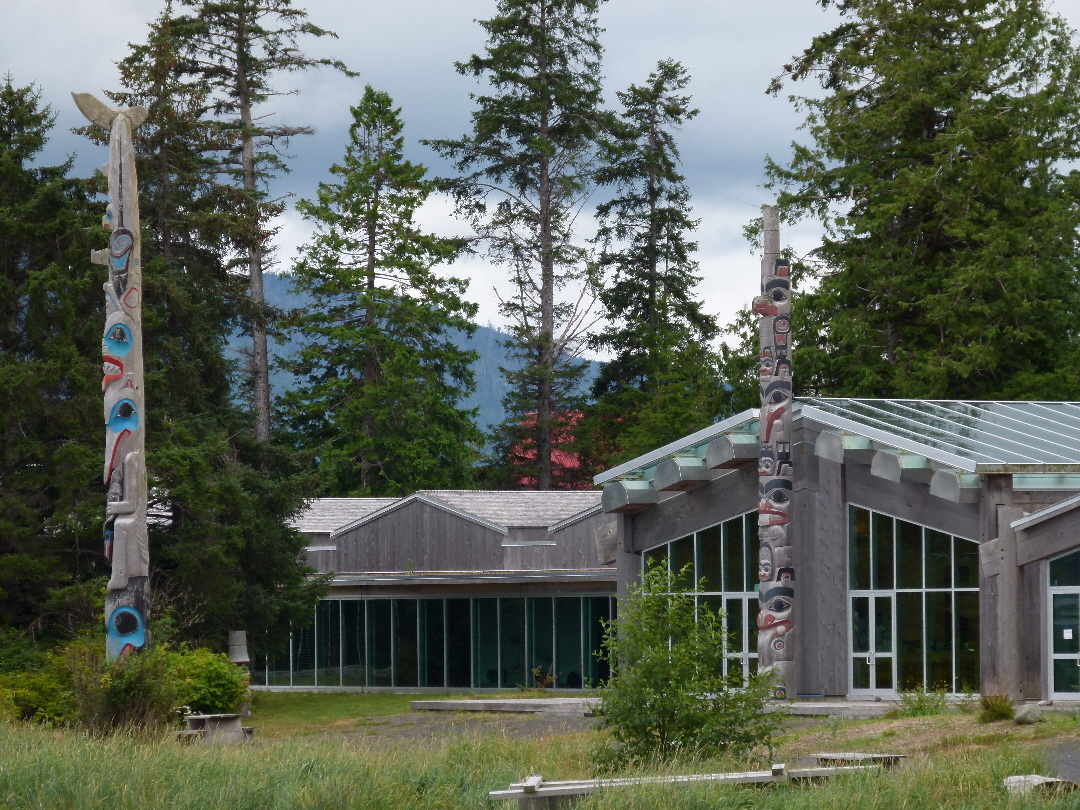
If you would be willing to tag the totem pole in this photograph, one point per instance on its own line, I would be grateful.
(776, 574)
(126, 543)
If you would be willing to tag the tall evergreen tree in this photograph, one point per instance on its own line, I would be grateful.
(940, 166)
(51, 433)
(237, 48)
(381, 377)
(525, 172)
(662, 380)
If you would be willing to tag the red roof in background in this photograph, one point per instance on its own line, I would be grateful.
(565, 464)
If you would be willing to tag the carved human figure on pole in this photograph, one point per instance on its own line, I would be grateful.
(126, 543)
(776, 572)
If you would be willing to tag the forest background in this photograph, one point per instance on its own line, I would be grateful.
(589, 196)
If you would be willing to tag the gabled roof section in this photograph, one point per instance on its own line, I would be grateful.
(977, 437)
(497, 510)
(327, 515)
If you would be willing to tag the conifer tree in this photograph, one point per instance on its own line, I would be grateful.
(663, 380)
(940, 164)
(51, 499)
(237, 48)
(380, 376)
(525, 172)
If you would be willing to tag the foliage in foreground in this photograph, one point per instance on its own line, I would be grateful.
(921, 703)
(996, 707)
(77, 687)
(668, 696)
(63, 769)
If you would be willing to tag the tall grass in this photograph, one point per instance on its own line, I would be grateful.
(60, 769)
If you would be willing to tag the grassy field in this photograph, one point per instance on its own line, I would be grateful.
(953, 762)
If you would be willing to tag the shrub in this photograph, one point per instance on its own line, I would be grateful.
(667, 695)
(995, 707)
(209, 682)
(922, 703)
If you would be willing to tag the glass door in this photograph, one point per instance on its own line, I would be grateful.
(872, 650)
(1065, 644)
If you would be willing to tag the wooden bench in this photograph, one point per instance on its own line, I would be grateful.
(536, 794)
(215, 729)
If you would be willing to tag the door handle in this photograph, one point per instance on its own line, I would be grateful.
(868, 661)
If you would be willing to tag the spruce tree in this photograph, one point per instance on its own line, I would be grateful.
(525, 171)
(51, 429)
(237, 48)
(662, 381)
(381, 378)
(940, 164)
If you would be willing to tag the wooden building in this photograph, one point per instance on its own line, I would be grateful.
(453, 589)
(936, 544)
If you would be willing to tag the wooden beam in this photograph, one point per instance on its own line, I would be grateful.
(955, 486)
(901, 467)
(626, 497)
(841, 447)
(680, 473)
(732, 450)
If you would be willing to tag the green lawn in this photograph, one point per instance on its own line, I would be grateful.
(279, 714)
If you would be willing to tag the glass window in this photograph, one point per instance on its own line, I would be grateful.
(882, 554)
(406, 654)
(909, 555)
(541, 663)
(1065, 570)
(568, 648)
(432, 630)
(379, 637)
(938, 559)
(859, 562)
(458, 643)
(328, 639)
(486, 642)
(353, 670)
(709, 569)
(303, 655)
(682, 557)
(512, 642)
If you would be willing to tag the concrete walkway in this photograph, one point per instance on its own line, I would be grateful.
(584, 706)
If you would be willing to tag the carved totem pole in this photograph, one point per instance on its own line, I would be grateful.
(776, 573)
(126, 543)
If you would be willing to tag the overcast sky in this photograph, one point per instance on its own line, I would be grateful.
(731, 48)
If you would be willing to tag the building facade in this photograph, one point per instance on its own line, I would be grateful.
(936, 544)
(453, 589)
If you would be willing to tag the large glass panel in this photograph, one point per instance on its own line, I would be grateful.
(883, 624)
(1066, 623)
(406, 654)
(939, 622)
(303, 655)
(328, 638)
(967, 640)
(568, 663)
(458, 640)
(1066, 675)
(709, 550)
(883, 672)
(432, 660)
(379, 633)
(656, 558)
(860, 672)
(541, 663)
(750, 543)
(1065, 570)
(735, 563)
(909, 556)
(859, 554)
(353, 672)
(599, 611)
(938, 559)
(276, 670)
(512, 638)
(735, 628)
(883, 552)
(909, 634)
(486, 642)
(682, 556)
(860, 624)
(965, 563)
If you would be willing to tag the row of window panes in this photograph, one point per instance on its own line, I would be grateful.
(887, 553)
(446, 643)
(728, 554)
(721, 559)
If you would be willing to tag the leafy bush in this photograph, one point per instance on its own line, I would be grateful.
(209, 682)
(667, 695)
(922, 703)
(995, 707)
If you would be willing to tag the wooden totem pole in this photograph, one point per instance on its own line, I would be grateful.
(126, 543)
(776, 573)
